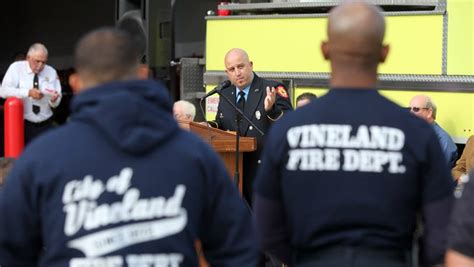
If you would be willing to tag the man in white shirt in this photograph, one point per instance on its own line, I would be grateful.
(37, 84)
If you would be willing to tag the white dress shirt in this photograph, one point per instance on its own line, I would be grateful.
(19, 80)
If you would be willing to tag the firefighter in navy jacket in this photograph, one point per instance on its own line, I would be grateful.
(121, 184)
(343, 179)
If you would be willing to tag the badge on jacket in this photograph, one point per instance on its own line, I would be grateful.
(221, 116)
(258, 115)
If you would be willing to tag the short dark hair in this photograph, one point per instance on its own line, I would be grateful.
(307, 95)
(105, 55)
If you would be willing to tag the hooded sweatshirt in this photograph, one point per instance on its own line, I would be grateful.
(122, 185)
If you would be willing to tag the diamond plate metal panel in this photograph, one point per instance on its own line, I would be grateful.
(442, 83)
(323, 15)
(444, 56)
(191, 83)
(302, 5)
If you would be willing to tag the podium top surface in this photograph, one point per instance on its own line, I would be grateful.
(221, 141)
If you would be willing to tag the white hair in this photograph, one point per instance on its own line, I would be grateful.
(188, 108)
(36, 47)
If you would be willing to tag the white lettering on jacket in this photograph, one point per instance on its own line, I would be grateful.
(84, 212)
(332, 147)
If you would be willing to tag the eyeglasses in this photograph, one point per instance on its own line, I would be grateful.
(415, 109)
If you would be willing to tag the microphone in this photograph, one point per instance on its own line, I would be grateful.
(218, 88)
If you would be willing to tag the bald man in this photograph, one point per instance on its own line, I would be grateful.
(425, 108)
(263, 101)
(343, 186)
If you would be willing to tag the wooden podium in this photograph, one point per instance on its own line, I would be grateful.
(224, 144)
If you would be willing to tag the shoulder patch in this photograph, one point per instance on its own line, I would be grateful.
(281, 91)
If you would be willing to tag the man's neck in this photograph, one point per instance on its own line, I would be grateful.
(248, 85)
(352, 80)
(344, 75)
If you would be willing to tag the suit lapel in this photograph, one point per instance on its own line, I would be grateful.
(230, 94)
(253, 100)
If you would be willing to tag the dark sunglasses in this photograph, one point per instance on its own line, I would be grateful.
(415, 109)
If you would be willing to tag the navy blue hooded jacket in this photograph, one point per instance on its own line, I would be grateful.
(122, 185)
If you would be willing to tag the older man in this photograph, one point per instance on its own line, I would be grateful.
(344, 186)
(424, 107)
(304, 99)
(37, 84)
(184, 111)
(263, 101)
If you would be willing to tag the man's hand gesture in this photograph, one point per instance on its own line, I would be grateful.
(270, 98)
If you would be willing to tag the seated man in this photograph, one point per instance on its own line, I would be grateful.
(304, 99)
(424, 107)
(184, 111)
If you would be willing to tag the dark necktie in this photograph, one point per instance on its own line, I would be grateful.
(35, 81)
(36, 109)
(241, 102)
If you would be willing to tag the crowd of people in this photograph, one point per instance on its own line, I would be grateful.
(327, 185)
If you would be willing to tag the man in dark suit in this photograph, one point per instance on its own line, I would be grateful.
(262, 101)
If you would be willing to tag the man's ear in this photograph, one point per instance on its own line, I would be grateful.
(384, 53)
(143, 72)
(325, 50)
(76, 83)
(430, 113)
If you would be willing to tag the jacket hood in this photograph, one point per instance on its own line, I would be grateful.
(136, 116)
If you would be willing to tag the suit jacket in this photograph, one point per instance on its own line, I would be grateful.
(254, 109)
(466, 162)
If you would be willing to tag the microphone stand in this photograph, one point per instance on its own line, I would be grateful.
(238, 120)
